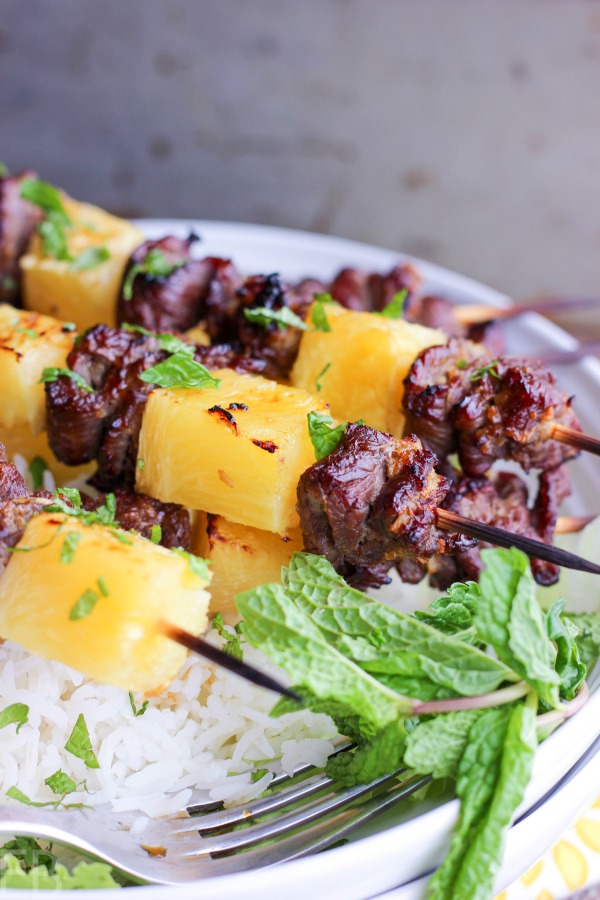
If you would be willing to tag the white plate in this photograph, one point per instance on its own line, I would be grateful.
(404, 850)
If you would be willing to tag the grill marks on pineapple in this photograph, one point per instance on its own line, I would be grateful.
(225, 416)
(269, 446)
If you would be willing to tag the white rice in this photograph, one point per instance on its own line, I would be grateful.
(203, 738)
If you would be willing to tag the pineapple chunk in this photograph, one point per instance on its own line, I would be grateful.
(368, 357)
(86, 296)
(29, 342)
(241, 558)
(136, 584)
(247, 470)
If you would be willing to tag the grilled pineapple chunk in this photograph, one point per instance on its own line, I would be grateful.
(99, 611)
(241, 558)
(358, 367)
(29, 343)
(237, 450)
(60, 288)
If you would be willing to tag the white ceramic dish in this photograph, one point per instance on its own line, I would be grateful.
(405, 846)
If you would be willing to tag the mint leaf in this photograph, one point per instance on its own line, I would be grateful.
(156, 534)
(80, 745)
(436, 746)
(15, 714)
(233, 643)
(196, 564)
(60, 783)
(257, 775)
(588, 636)
(324, 436)
(403, 652)
(378, 756)
(17, 794)
(511, 620)
(454, 612)
(272, 622)
(323, 371)
(84, 605)
(319, 317)
(491, 369)
(395, 307)
(46, 196)
(102, 587)
(69, 546)
(29, 853)
(180, 371)
(568, 664)
(54, 240)
(167, 342)
(154, 264)
(492, 775)
(29, 332)
(84, 875)
(142, 709)
(284, 317)
(37, 467)
(53, 373)
(90, 259)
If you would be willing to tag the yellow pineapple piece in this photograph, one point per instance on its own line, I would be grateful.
(86, 296)
(360, 365)
(241, 558)
(48, 606)
(247, 470)
(198, 335)
(29, 343)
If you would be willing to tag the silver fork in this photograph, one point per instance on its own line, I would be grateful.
(298, 815)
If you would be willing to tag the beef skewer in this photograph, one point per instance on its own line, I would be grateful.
(377, 501)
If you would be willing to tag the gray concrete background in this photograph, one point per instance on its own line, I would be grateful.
(464, 131)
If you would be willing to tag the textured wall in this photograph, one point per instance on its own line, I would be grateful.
(465, 131)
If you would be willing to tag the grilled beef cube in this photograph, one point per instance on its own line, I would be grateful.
(18, 219)
(373, 500)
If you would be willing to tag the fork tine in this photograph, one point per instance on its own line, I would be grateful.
(309, 812)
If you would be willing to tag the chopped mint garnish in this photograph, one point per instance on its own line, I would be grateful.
(491, 369)
(90, 259)
(84, 605)
(233, 644)
(319, 316)
(60, 783)
(167, 342)
(137, 711)
(80, 745)
(196, 564)
(324, 435)
(284, 317)
(15, 714)
(156, 534)
(53, 373)
(155, 264)
(395, 307)
(180, 371)
(37, 467)
(47, 197)
(323, 371)
(69, 546)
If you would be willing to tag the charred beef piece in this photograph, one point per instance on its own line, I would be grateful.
(18, 219)
(105, 424)
(371, 292)
(17, 506)
(458, 398)
(373, 501)
(438, 380)
(12, 483)
(138, 512)
(191, 290)
(277, 346)
(502, 501)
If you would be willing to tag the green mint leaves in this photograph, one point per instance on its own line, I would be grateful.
(60, 783)
(84, 606)
(154, 264)
(284, 317)
(395, 308)
(137, 711)
(325, 436)
(69, 546)
(53, 373)
(233, 643)
(167, 342)
(56, 222)
(491, 369)
(15, 714)
(80, 745)
(180, 371)
(196, 564)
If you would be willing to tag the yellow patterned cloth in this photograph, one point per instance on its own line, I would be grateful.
(571, 865)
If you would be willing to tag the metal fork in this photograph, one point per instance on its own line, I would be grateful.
(296, 816)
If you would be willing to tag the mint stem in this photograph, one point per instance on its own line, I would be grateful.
(565, 711)
(494, 698)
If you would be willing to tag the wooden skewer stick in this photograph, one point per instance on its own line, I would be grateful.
(475, 313)
(214, 654)
(576, 439)
(571, 524)
(450, 521)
